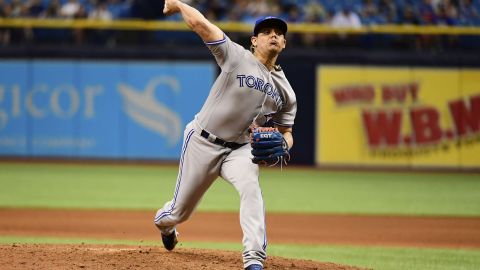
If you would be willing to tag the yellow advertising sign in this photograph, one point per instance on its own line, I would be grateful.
(426, 117)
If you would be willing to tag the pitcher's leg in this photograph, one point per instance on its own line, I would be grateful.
(239, 170)
(199, 166)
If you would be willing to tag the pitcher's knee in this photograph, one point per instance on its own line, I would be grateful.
(181, 213)
(172, 217)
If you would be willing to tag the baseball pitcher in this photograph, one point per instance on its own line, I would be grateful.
(226, 137)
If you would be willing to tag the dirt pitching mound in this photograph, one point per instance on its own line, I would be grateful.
(43, 257)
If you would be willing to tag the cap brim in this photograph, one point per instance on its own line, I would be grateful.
(271, 22)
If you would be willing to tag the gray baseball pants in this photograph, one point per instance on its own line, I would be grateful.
(201, 163)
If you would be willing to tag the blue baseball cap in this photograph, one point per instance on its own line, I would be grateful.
(270, 21)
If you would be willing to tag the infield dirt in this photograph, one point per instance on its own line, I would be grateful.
(460, 232)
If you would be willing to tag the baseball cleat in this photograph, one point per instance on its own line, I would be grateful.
(254, 267)
(170, 241)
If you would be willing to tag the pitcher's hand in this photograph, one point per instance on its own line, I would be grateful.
(171, 7)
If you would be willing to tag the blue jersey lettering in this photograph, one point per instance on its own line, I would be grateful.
(260, 85)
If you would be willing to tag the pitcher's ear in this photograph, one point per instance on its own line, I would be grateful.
(253, 40)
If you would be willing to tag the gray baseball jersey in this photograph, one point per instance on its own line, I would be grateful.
(244, 93)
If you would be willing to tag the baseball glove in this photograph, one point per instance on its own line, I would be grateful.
(268, 146)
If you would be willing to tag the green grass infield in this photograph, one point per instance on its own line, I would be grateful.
(288, 190)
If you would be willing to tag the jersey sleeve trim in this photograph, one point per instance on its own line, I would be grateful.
(217, 41)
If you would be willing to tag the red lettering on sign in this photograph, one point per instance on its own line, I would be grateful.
(382, 127)
(399, 92)
(354, 93)
(414, 91)
(466, 118)
(425, 124)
